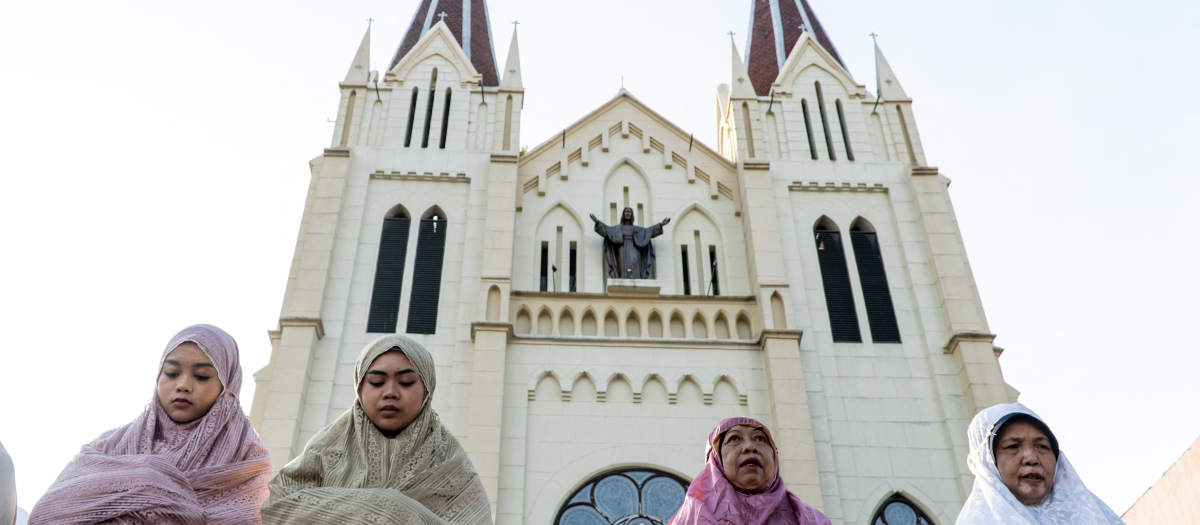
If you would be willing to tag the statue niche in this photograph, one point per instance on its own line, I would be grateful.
(628, 248)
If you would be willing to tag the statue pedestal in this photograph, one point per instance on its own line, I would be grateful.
(634, 286)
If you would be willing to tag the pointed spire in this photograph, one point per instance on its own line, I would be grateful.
(470, 24)
(360, 69)
(887, 85)
(739, 79)
(775, 27)
(512, 67)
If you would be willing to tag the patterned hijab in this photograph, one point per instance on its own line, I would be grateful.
(154, 470)
(713, 500)
(990, 502)
(351, 473)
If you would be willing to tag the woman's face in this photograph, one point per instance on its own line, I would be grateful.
(188, 385)
(392, 392)
(748, 458)
(1025, 461)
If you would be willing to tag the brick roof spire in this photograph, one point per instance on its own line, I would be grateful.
(775, 26)
(468, 20)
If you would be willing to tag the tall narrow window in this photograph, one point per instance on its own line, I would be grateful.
(349, 117)
(845, 132)
(839, 299)
(825, 121)
(712, 263)
(446, 118)
(427, 274)
(372, 131)
(389, 274)
(912, 157)
(749, 130)
(571, 268)
(508, 124)
(481, 127)
(812, 144)
(429, 109)
(773, 136)
(881, 315)
(412, 115)
(544, 266)
(687, 278)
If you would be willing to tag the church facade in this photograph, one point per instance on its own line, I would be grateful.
(812, 276)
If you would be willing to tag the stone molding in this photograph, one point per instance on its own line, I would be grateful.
(314, 322)
(337, 152)
(924, 170)
(968, 337)
(492, 326)
(833, 186)
(427, 176)
(508, 159)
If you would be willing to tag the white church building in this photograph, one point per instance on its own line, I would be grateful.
(813, 276)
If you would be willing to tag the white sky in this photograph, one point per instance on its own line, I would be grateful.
(156, 155)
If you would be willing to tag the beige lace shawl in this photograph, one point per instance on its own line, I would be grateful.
(351, 473)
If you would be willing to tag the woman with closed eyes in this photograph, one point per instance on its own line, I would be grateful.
(388, 459)
(190, 458)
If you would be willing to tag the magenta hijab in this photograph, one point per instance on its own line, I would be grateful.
(713, 500)
(212, 470)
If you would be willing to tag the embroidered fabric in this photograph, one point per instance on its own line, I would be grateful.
(991, 503)
(713, 500)
(351, 473)
(153, 470)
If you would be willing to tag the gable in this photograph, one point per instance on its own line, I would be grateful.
(808, 54)
(438, 42)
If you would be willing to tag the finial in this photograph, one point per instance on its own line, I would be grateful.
(369, 20)
(731, 33)
(516, 23)
(443, 15)
(873, 35)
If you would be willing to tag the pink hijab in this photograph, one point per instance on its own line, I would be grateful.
(213, 470)
(713, 500)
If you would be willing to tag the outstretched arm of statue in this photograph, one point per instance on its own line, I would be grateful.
(593, 216)
(665, 221)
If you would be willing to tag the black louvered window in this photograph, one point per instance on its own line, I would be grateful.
(839, 299)
(389, 276)
(545, 267)
(881, 315)
(427, 276)
(572, 267)
(687, 281)
(713, 281)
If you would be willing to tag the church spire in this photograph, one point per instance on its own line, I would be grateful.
(887, 86)
(512, 67)
(739, 79)
(775, 26)
(468, 21)
(360, 69)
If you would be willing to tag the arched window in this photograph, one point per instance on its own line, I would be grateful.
(427, 273)
(881, 315)
(824, 121)
(845, 132)
(839, 299)
(626, 497)
(749, 130)
(429, 109)
(897, 510)
(412, 115)
(445, 119)
(389, 273)
(508, 123)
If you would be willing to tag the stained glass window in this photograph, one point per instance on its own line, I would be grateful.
(625, 497)
(897, 510)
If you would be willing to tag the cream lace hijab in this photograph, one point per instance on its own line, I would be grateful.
(351, 473)
(990, 502)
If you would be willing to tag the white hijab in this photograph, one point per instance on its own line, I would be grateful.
(990, 502)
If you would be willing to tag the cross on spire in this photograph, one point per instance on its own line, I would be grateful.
(873, 35)
(443, 15)
(731, 33)
(369, 20)
(516, 23)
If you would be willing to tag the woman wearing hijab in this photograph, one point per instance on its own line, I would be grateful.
(190, 458)
(741, 484)
(1021, 476)
(387, 460)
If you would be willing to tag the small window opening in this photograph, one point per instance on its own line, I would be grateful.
(687, 279)
(445, 119)
(712, 258)
(571, 267)
(429, 109)
(845, 132)
(749, 130)
(412, 115)
(825, 121)
(812, 143)
(545, 265)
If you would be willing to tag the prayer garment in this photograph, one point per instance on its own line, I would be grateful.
(991, 503)
(350, 473)
(713, 500)
(8, 489)
(212, 470)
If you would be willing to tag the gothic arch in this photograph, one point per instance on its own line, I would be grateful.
(645, 182)
(825, 223)
(909, 492)
(568, 313)
(860, 223)
(578, 473)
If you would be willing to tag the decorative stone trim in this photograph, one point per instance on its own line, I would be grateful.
(492, 326)
(600, 340)
(833, 186)
(337, 152)
(756, 165)
(968, 337)
(508, 159)
(412, 175)
(924, 170)
(314, 322)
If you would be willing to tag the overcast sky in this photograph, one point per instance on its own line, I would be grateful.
(155, 169)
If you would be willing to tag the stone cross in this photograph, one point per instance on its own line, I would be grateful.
(731, 33)
(443, 15)
(873, 35)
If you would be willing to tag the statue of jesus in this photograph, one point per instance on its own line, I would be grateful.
(628, 249)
